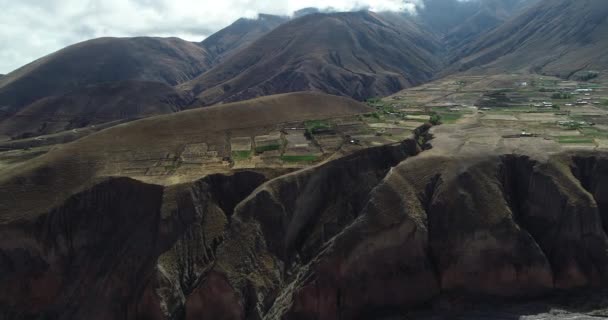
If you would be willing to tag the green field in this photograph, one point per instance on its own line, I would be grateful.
(302, 158)
(594, 133)
(576, 140)
(270, 147)
(451, 117)
(314, 126)
(241, 155)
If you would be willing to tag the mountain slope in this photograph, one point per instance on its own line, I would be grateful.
(239, 35)
(166, 60)
(471, 28)
(461, 22)
(94, 104)
(359, 55)
(557, 37)
(166, 132)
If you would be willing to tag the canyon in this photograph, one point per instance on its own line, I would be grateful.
(414, 226)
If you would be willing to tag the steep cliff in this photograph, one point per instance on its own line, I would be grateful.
(98, 255)
(372, 234)
(500, 226)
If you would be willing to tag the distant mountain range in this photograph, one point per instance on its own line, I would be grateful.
(357, 54)
(558, 37)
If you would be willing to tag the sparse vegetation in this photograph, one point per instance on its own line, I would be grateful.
(589, 76)
(373, 102)
(546, 90)
(573, 125)
(446, 118)
(374, 115)
(382, 107)
(316, 126)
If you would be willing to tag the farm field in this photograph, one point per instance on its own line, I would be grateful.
(564, 114)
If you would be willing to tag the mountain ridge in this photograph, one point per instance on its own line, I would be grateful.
(167, 60)
(561, 38)
(289, 57)
(93, 105)
(237, 36)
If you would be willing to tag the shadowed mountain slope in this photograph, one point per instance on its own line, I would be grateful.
(557, 37)
(94, 104)
(167, 60)
(237, 36)
(461, 22)
(443, 16)
(358, 54)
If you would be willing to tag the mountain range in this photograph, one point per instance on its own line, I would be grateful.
(358, 54)
(323, 166)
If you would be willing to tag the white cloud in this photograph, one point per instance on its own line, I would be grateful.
(30, 29)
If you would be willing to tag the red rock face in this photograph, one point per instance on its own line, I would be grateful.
(215, 299)
(88, 257)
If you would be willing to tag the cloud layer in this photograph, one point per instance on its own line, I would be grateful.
(30, 29)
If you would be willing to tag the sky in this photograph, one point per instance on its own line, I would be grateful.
(30, 29)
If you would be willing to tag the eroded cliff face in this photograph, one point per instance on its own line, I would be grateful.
(374, 233)
(87, 258)
(498, 226)
(103, 253)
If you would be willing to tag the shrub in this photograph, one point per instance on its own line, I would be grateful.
(590, 75)
(435, 119)
(561, 95)
(316, 126)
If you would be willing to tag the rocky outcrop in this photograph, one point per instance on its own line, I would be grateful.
(565, 221)
(375, 233)
(210, 203)
(500, 226)
(106, 253)
(592, 171)
(88, 258)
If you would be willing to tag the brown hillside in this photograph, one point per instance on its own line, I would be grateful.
(73, 166)
(166, 60)
(359, 55)
(94, 104)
